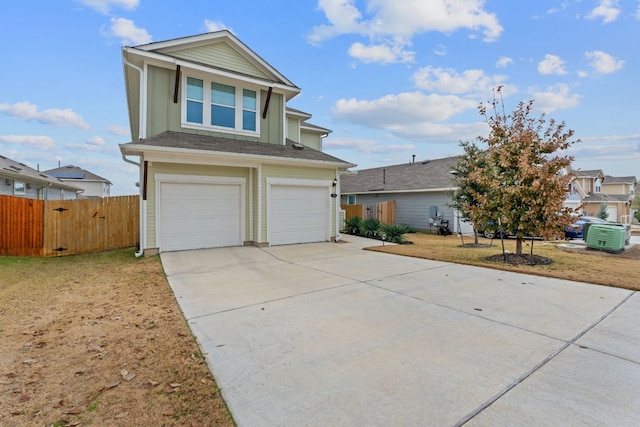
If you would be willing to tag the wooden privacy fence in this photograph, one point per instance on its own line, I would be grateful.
(384, 212)
(30, 227)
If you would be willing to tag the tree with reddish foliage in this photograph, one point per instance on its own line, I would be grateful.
(523, 181)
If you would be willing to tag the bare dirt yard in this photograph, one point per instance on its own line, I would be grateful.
(99, 340)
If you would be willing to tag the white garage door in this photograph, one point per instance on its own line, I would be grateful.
(298, 214)
(199, 215)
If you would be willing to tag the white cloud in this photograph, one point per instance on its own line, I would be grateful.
(394, 24)
(54, 116)
(118, 130)
(608, 10)
(96, 141)
(381, 53)
(441, 132)
(343, 16)
(103, 6)
(558, 97)
(503, 61)
(440, 50)
(365, 146)
(551, 64)
(401, 109)
(127, 31)
(446, 80)
(37, 141)
(603, 63)
(213, 26)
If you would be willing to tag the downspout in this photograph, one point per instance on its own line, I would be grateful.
(141, 132)
(141, 208)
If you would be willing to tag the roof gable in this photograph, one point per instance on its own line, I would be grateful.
(76, 173)
(224, 56)
(220, 50)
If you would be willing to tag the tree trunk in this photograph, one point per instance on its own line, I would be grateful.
(475, 236)
(519, 245)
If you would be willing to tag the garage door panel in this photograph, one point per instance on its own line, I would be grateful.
(299, 214)
(200, 215)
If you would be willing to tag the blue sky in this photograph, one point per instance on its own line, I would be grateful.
(391, 78)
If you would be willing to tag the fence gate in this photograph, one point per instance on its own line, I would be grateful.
(74, 226)
(90, 225)
(384, 212)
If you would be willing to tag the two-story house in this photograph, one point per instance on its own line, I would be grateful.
(592, 189)
(20, 180)
(223, 161)
(92, 184)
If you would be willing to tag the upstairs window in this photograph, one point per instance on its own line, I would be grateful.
(195, 100)
(214, 105)
(598, 186)
(223, 105)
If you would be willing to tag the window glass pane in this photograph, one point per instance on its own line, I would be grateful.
(249, 99)
(249, 120)
(195, 89)
(18, 187)
(223, 94)
(223, 116)
(194, 112)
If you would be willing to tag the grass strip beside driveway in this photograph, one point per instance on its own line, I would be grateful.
(575, 263)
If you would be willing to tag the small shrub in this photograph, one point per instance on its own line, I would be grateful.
(395, 232)
(352, 225)
(370, 228)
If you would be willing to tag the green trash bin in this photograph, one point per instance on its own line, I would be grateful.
(606, 237)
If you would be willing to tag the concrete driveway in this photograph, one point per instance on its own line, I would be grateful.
(330, 335)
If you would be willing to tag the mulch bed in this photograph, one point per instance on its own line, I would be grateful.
(522, 259)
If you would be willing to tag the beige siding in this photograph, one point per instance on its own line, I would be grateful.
(615, 188)
(278, 171)
(271, 128)
(181, 169)
(132, 77)
(162, 113)
(220, 55)
(311, 139)
(293, 125)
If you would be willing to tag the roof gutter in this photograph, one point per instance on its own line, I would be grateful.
(138, 149)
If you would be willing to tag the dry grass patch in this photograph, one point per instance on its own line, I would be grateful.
(99, 340)
(578, 264)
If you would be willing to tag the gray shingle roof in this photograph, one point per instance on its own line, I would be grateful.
(75, 172)
(188, 141)
(594, 173)
(21, 172)
(425, 175)
(608, 179)
(601, 197)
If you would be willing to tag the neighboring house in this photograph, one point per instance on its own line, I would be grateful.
(92, 184)
(223, 161)
(592, 188)
(422, 191)
(18, 179)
